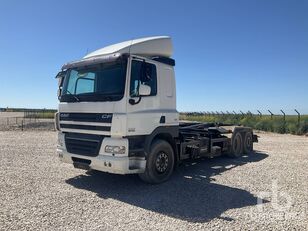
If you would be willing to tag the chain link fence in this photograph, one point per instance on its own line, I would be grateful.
(280, 123)
(27, 119)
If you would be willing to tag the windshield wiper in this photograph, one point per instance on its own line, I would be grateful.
(75, 97)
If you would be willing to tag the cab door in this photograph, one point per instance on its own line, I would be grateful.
(143, 111)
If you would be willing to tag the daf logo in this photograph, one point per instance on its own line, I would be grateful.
(106, 116)
(64, 115)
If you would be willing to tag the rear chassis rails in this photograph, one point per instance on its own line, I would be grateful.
(210, 139)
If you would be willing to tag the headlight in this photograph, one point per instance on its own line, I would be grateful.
(115, 149)
(60, 139)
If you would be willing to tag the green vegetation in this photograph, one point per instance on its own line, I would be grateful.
(40, 114)
(45, 115)
(33, 113)
(264, 123)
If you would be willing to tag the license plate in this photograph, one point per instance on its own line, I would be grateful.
(81, 166)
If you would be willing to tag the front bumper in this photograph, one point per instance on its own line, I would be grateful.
(111, 164)
(105, 162)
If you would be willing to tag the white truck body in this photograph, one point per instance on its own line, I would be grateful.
(120, 133)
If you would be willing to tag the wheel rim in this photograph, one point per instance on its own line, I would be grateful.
(161, 162)
(248, 142)
(237, 144)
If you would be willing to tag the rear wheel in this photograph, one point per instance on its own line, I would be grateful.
(248, 143)
(236, 149)
(160, 163)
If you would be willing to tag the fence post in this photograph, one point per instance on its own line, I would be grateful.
(271, 114)
(284, 115)
(298, 117)
(259, 113)
(22, 124)
(284, 121)
(243, 114)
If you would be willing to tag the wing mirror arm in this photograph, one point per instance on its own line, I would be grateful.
(133, 101)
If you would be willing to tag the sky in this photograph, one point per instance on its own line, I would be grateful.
(230, 54)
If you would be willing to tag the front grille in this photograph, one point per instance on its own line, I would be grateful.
(83, 144)
(86, 117)
(86, 127)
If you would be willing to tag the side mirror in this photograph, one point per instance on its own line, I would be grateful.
(59, 93)
(144, 90)
(60, 76)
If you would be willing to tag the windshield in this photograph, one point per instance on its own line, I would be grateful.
(103, 82)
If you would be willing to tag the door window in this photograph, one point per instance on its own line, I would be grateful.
(143, 73)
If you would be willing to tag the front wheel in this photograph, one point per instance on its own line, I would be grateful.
(160, 163)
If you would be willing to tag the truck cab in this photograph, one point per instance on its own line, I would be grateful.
(114, 102)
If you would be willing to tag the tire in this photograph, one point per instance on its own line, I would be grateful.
(236, 149)
(248, 143)
(160, 163)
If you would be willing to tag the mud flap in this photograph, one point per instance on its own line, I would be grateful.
(255, 138)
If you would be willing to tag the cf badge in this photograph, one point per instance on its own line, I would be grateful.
(106, 116)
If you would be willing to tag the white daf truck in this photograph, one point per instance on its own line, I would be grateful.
(117, 114)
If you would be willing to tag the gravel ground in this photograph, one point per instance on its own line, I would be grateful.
(11, 114)
(38, 192)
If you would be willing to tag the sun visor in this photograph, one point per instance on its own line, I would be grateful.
(92, 61)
